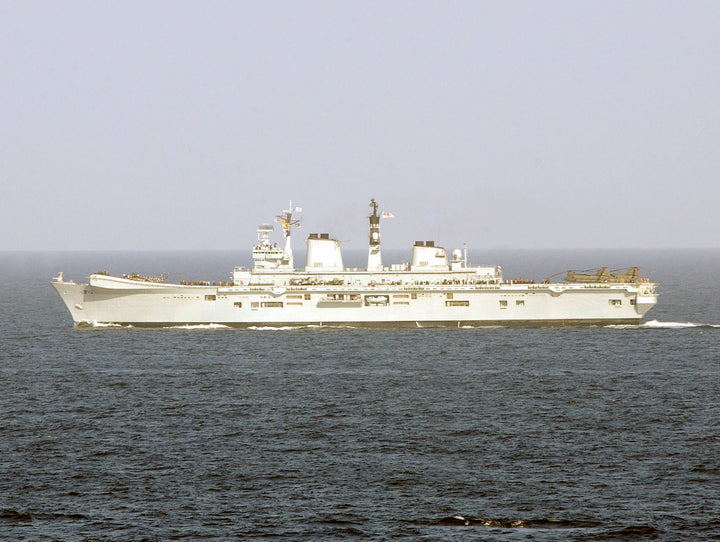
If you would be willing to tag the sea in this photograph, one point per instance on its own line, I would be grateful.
(304, 433)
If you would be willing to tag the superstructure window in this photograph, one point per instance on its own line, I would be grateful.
(503, 303)
(376, 300)
(616, 302)
(210, 297)
(238, 304)
(271, 304)
(519, 302)
(458, 303)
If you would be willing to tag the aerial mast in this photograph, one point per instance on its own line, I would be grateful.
(287, 223)
(374, 256)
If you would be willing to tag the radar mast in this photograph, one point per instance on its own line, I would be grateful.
(287, 222)
(374, 255)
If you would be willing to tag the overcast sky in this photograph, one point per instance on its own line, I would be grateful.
(171, 125)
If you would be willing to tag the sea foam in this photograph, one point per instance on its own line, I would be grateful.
(655, 324)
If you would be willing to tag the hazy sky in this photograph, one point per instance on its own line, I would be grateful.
(170, 125)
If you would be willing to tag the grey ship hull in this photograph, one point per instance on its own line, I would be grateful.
(106, 300)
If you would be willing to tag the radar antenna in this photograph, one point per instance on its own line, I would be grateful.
(374, 255)
(287, 222)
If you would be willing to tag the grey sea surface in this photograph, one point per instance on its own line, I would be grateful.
(207, 433)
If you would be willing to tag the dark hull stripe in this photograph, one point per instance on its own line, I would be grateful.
(398, 324)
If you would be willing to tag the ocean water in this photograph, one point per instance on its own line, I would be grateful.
(122, 434)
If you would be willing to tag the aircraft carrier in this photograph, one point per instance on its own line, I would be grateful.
(433, 289)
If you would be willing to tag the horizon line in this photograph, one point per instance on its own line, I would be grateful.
(161, 250)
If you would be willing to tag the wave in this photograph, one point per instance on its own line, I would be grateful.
(199, 326)
(290, 328)
(273, 328)
(655, 324)
(595, 530)
(509, 523)
(10, 515)
(106, 324)
(14, 516)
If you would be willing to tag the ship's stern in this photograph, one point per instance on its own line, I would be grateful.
(646, 298)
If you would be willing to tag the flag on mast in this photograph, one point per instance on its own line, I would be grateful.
(386, 214)
(298, 209)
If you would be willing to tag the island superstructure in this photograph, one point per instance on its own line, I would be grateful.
(430, 290)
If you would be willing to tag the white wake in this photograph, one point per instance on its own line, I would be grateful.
(106, 324)
(655, 324)
(199, 326)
